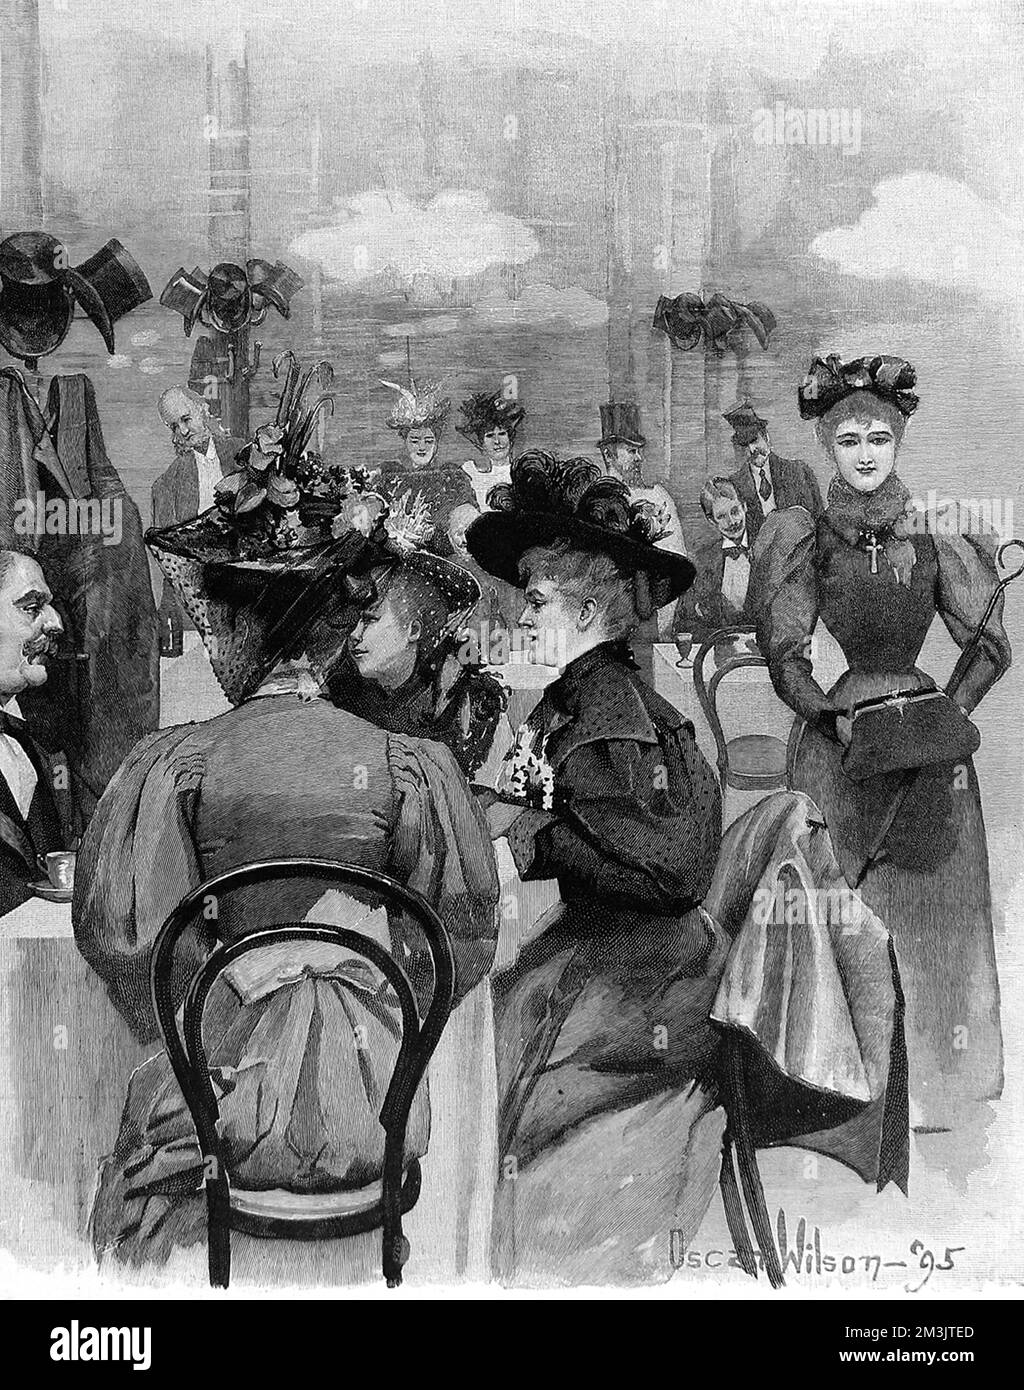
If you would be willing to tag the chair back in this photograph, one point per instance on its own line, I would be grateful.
(187, 1055)
(748, 762)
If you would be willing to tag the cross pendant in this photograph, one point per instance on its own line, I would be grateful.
(872, 546)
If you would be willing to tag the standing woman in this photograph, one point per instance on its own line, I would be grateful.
(490, 420)
(877, 577)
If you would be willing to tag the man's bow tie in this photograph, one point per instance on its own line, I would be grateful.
(734, 552)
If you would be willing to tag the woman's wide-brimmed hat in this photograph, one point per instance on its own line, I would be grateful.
(829, 381)
(552, 499)
(487, 411)
(39, 291)
(459, 591)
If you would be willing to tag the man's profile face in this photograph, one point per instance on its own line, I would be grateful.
(29, 626)
(730, 516)
(188, 421)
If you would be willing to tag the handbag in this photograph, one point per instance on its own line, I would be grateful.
(904, 732)
(895, 733)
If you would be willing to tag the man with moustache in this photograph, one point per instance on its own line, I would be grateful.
(29, 821)
(764, 481)
(203, 455)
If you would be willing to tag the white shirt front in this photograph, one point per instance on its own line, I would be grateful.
(209, 471)
(500, 474)
(16, 766)
(735, 572)
(756, 470)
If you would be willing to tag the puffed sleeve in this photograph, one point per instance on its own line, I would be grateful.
(622, 837)
(967, 577)
(441, 848)
(784, 598)
(137, 860)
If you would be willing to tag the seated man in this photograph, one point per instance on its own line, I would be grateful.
(406, 669)
(29, 821)
(720, 596)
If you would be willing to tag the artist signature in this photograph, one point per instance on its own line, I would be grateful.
(807, 1256)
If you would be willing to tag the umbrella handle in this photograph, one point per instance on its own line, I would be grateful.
(1014, 574)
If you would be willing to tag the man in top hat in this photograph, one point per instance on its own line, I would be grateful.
(766, 482)
(203, 454)
(622, 449)
(29, 821)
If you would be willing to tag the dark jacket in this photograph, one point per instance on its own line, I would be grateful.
(704, 608)
(175, 499)
(793, 485)
(103, 691)
(22, 838)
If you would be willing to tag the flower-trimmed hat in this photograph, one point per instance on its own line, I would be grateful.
(284, 529)
(829, 381)
(552, 499)
(418, 407)
(487, 411)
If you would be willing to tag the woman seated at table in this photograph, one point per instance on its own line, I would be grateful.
(409, 666)
(608, 1022)
(301, 1044)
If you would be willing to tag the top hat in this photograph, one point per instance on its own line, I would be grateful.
(40, 289)
(552, 499)
(185, 293)
(276, 283)
(487, 411)
(620, 424)
(746, 423)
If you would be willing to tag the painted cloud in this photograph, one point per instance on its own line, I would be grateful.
(455, 236)
(930, 228)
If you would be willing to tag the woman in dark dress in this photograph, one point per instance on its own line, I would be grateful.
(609, 1022)
(872, 572)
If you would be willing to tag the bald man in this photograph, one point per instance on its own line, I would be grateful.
(203, 454)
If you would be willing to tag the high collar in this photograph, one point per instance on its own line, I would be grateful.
(566, 692)
(851, 512)
(743, 542)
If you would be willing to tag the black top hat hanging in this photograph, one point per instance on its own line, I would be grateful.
(39, 291)
(231, 298)
(620, 424)
(687, 320)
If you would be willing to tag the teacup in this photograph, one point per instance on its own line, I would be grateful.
(59, 868)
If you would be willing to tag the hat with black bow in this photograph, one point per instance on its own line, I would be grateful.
(39, 290)
(829, 381)
(551, 499)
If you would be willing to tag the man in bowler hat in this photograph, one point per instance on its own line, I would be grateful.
(764, 481)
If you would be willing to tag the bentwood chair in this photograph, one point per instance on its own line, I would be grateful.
(286, 1215)
(746, 762)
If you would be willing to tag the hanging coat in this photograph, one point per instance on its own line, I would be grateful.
(105, 695)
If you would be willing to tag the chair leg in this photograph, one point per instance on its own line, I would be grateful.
(734, 1217)
(395, 1247)
(218, 1234)
(746, 1154)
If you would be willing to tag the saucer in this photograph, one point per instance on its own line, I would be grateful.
(45, 889)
